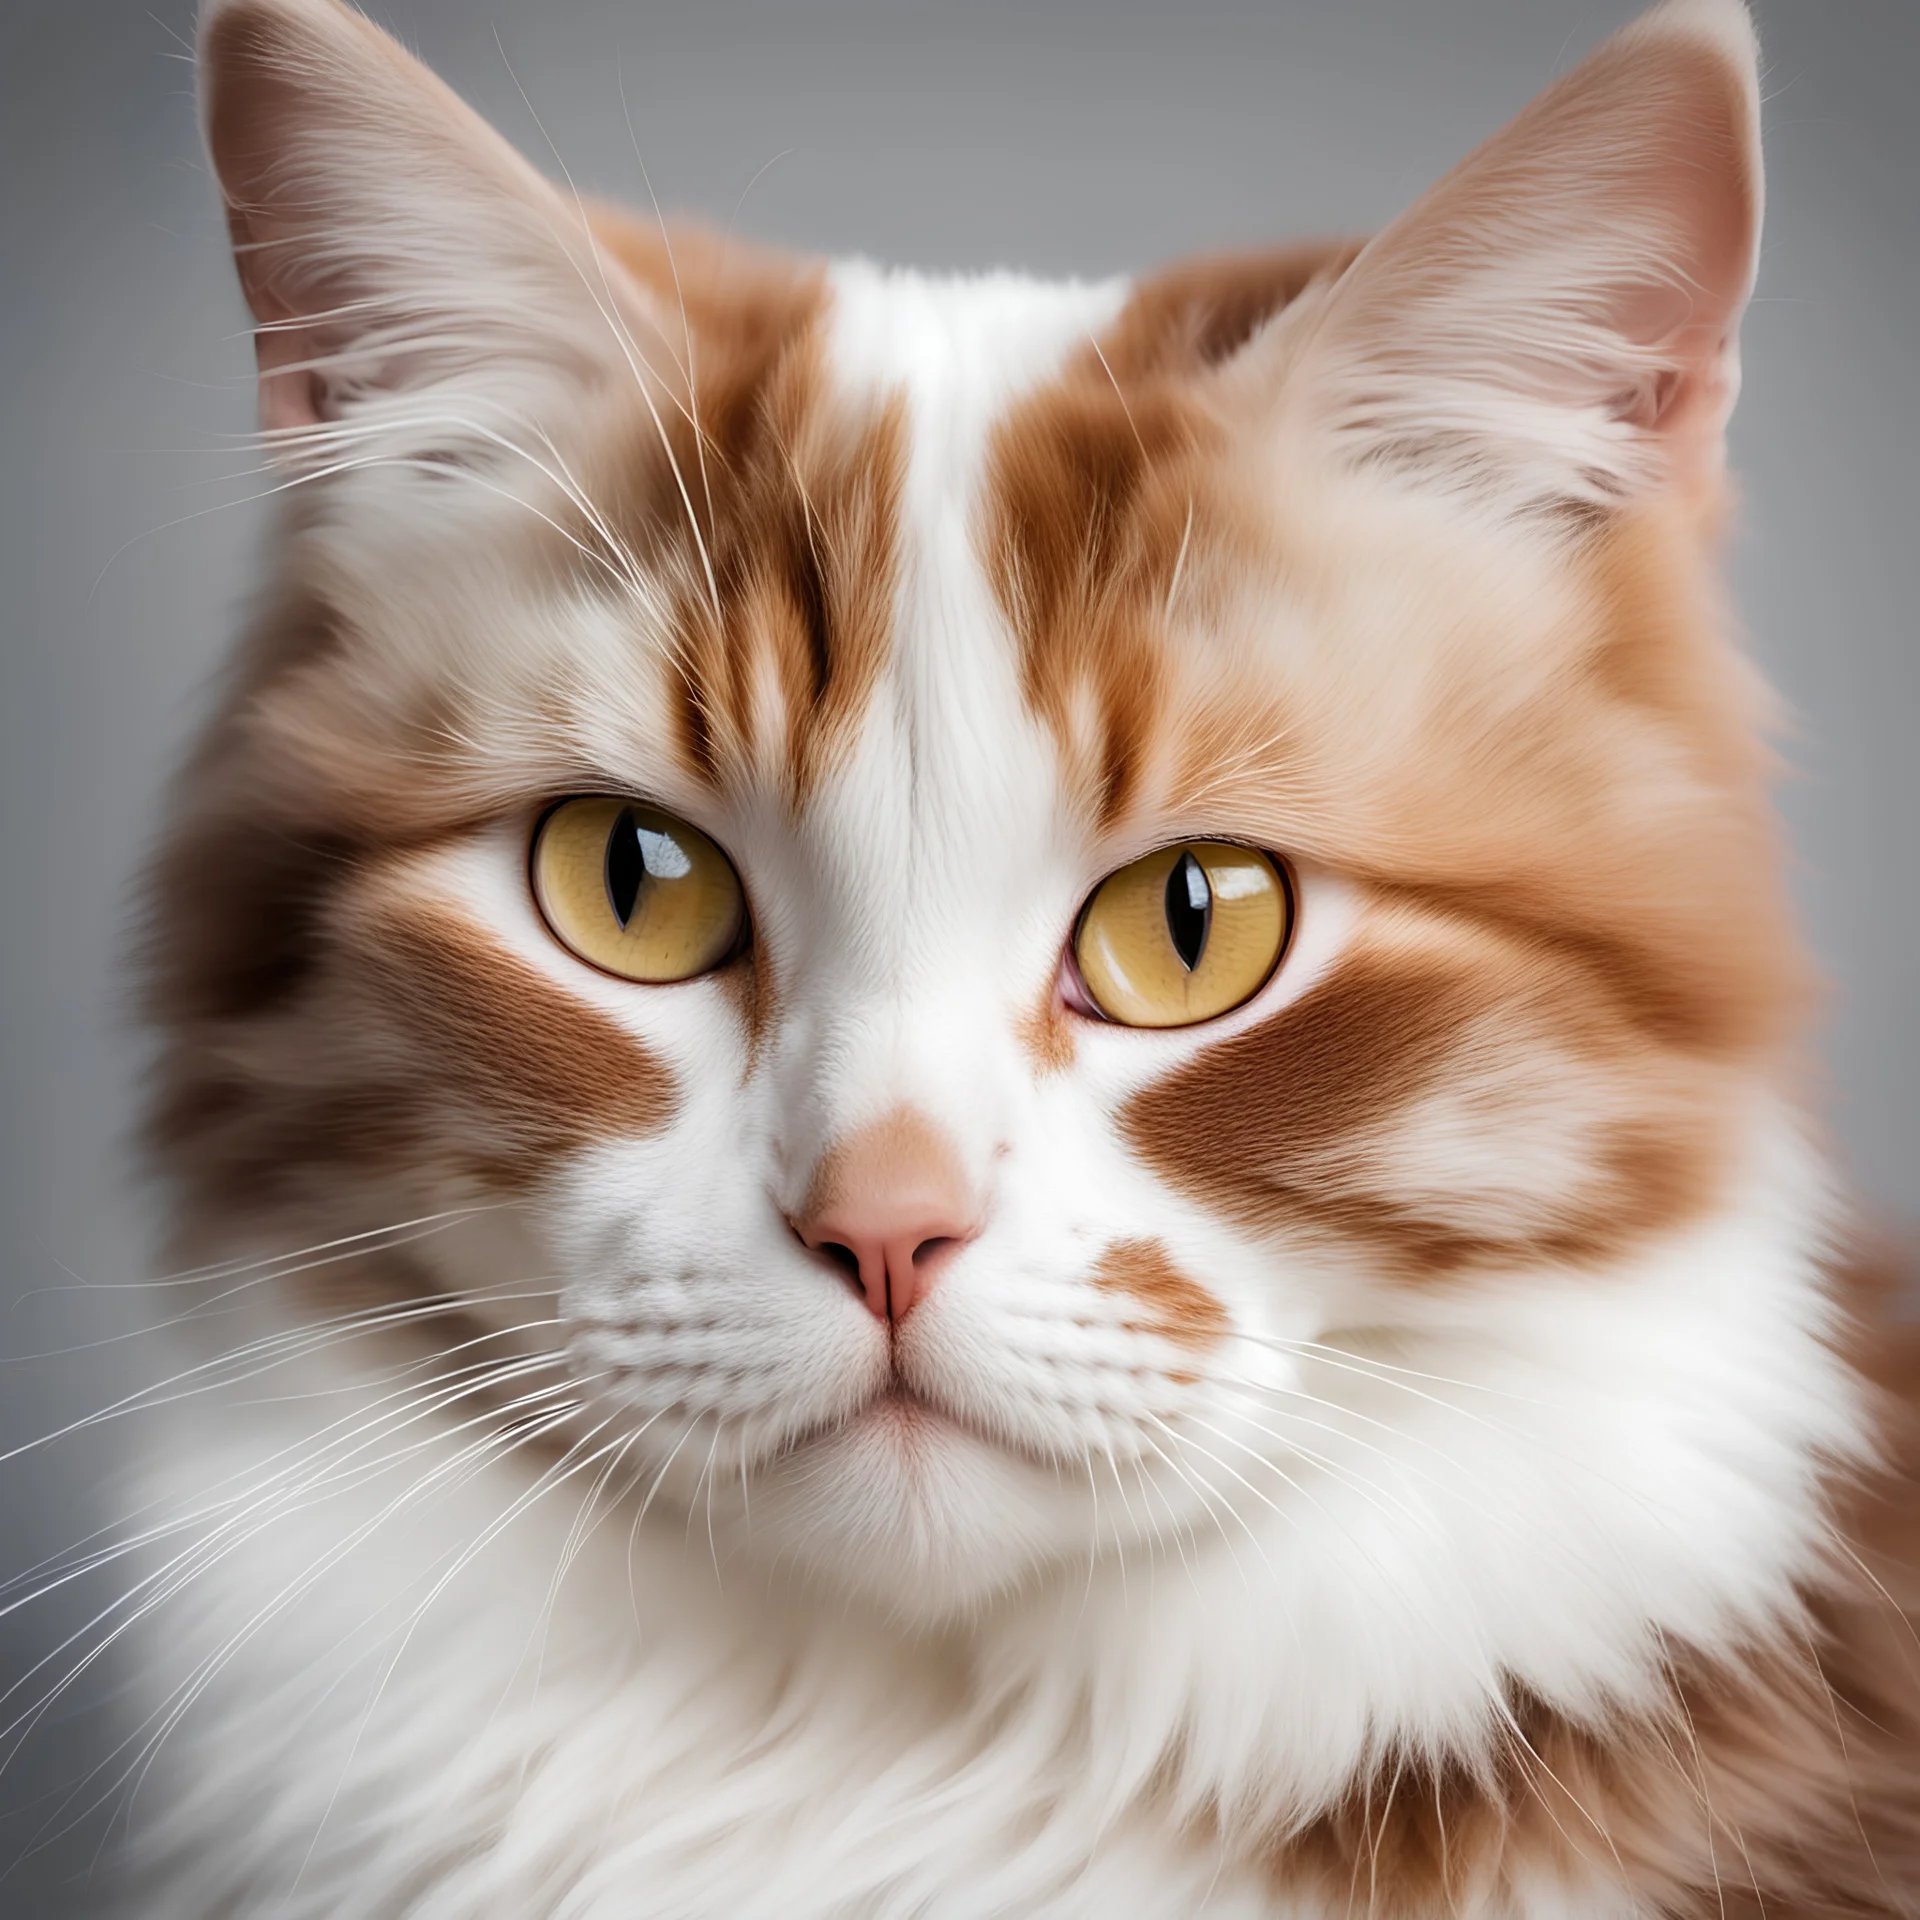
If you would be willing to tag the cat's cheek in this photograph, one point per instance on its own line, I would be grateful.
(497, 989)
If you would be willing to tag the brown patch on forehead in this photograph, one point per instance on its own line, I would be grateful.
(807, 565)
(540, 1072)
(1175, 1307)
(1102, 505)
(794, 507)
(1194, 315)
(1450, 1101)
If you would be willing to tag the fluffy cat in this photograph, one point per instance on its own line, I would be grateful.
(991, 1087)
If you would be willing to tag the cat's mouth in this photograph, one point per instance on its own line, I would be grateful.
(899, 1415)
(904, 1416)
(911, 1414)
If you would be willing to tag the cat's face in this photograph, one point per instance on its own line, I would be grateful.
(877, 1241)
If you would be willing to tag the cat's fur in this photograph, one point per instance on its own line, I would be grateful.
(1399, 1448)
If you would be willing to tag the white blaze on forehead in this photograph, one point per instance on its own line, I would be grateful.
(958, 353)
(961, 350)
(937, 833)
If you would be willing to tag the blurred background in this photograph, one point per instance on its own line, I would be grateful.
(1065, 136)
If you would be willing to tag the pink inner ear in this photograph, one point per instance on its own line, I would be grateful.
(287, 398)
(1581, 272)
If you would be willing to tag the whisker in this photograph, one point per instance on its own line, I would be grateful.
(228, 1269)
(1287, 1479)
(679, 292)
(272, 1350)
(57, 1571)
(173, 1711)
(172, 1579)
(468, 1461)
(1345, 1357)
(555, 1476)
(1205, 1495)
(214, 1304)
(269, 1495)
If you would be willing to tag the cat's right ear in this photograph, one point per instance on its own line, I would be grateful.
(404, 264)
(1556, 323)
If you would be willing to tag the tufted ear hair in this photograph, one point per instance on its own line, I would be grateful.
(402, 261)
(1555, 325)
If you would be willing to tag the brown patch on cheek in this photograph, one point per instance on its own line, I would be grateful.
(533, 1072)
(1348, 1054)
(1176, 1307)
(1309, 1122)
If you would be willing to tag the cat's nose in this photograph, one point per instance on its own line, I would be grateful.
(888, 1205)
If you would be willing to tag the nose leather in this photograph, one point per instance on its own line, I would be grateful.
(888, 1204)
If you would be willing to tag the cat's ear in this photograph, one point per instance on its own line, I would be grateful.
(392, 246)
(1555, 324)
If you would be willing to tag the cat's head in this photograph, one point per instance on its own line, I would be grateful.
(959, 870)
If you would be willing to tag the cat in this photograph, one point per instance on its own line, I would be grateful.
(993, 1090)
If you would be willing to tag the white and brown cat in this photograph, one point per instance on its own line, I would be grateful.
(992, 1086)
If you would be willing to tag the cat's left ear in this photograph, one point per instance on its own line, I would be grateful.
(1556, 323)
(408, 271)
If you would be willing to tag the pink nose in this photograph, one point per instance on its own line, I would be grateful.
(888, 1205)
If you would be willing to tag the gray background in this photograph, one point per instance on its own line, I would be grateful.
(1056, 135)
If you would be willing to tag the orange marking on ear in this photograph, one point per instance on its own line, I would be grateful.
(1197, 313)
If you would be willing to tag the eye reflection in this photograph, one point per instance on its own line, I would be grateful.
(634, 851)
(634, 891)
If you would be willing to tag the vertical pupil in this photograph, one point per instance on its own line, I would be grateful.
(1189, 909)
(626, 865)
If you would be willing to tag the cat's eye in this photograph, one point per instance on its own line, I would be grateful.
(635, 891)
(1186, 934)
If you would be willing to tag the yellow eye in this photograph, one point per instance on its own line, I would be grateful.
(635, 891)
(1185, 934)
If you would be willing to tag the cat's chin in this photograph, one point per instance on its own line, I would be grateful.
(905, 1505)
